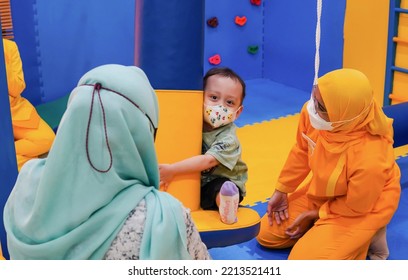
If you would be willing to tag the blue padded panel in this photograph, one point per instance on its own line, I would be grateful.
(231, 41)
(399, 113)
(223, 238)
(8, 161)
(266, 100)
(24, 16)
(171, 43)
(398, 227)
(72, 37)
(290, 41)
(249, 250)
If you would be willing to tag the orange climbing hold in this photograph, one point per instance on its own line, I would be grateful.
(240, 20)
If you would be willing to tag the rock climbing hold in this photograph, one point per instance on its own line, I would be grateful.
(240, 20)
(215, 59)
(253, 49)
(212, 22)
(256, 2)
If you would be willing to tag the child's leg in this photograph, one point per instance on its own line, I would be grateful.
(227, 201)
(209, 193)
(212, 198)
(378, 249)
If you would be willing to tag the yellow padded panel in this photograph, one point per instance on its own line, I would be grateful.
(209, 220)
(179, 137)
(401, 151)
(365, 40)
(265, 159)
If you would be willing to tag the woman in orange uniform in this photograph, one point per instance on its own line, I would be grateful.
(32, 135)
(344, 140)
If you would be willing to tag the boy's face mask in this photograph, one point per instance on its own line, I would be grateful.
(219, 115)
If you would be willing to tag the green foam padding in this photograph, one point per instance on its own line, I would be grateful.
(52, 112)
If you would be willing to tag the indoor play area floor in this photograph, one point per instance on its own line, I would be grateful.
(267, 128)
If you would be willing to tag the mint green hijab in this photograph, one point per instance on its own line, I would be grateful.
(62, 207)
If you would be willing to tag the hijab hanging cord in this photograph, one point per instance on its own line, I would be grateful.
(96, 89)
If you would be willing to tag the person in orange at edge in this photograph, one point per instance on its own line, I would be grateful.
(345, 140)
(1, 254)
(32, 135)
(223, 173)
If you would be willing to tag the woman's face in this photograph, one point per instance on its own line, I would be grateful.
(319, 104)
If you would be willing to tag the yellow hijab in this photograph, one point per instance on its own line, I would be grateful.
(349, 100)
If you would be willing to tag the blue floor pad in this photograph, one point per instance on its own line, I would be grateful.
(397, 230)
(266, 100)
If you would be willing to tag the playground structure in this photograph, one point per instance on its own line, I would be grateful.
(265, 41)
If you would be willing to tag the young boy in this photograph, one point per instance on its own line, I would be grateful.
(223, 173)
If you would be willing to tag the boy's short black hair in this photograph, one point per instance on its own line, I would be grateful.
(225, 72)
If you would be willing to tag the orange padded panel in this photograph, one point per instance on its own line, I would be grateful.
(179, 137)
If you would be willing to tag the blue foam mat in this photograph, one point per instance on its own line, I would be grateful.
(266, 100)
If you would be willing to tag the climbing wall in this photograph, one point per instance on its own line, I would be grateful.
(234, 36)
(263, 39)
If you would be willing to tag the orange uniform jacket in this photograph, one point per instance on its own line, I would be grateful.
(23, 113)
(360, 187)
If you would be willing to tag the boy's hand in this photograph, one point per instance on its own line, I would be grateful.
(166, 175)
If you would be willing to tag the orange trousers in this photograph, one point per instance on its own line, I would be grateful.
(31, 143)
(321, 242)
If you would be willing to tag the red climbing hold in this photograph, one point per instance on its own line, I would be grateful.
(256, 2)
(212, 22)
(240, 20)
(215, 59)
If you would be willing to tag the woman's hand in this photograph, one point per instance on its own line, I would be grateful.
(278, 207)
(302, 224)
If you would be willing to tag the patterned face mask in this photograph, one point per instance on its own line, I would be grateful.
(218, 115)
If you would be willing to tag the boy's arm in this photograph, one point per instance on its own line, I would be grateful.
(189, 165)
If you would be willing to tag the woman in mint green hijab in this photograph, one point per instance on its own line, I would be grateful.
(96, 194)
